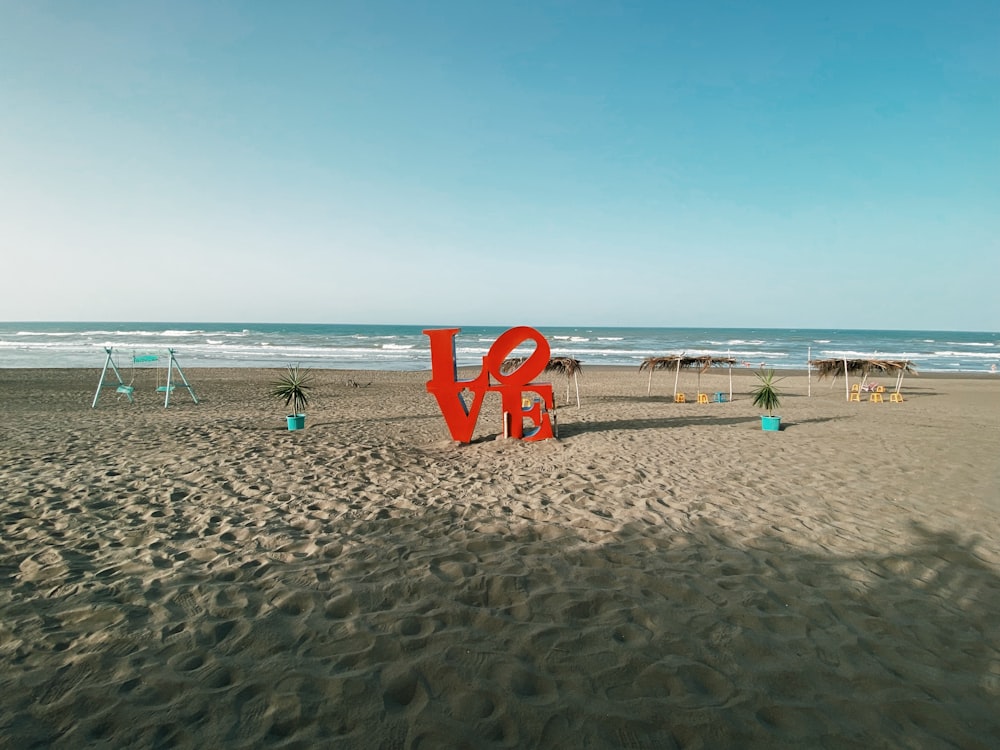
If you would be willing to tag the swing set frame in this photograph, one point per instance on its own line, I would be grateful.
(128, 389)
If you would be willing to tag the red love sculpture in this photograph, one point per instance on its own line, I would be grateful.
(460, 416)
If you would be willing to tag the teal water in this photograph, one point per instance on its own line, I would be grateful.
(406, 347)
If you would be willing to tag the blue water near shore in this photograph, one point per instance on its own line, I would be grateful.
(384, 347)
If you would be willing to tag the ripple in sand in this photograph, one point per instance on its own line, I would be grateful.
(43, 565)
(685, 684)
(451, 571)
(473, 704)
(403, 690)
(409, 626)
(341, 607)
(296, 604)
(525, 682)
(91, 619)
(188, 662)
(631, 634)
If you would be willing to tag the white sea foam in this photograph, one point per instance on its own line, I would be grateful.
(75, 345)
(841, 354)
(965, 355)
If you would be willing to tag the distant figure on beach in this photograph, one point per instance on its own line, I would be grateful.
(993, 368)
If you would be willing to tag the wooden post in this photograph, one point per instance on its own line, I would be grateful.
(729, 356)
(809, 371)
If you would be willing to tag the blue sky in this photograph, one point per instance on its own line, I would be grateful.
(779, 164)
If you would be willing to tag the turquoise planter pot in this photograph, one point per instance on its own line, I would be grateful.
(770, 424)
(296, 421)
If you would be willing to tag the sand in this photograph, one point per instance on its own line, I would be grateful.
(661, 576)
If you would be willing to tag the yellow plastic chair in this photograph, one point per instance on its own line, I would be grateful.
(679, 398)
(855, 396)
(856, 388)
(895, 398)
(702, 398)
(875, 398)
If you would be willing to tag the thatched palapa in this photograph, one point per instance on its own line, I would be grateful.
(836, 366)
(568, 366)
(678, 361)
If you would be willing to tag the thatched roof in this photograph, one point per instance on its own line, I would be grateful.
(659, 363)
(512, 363)
(565, 365)
(835, 366)
(670, 362)
(717, 361)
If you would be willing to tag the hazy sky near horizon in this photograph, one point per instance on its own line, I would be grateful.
(779, 164)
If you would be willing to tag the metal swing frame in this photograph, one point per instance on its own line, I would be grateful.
(121, 386)
(169, 387)
(128, 389)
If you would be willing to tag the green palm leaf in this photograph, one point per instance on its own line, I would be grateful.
(292, 387)
(765, 395)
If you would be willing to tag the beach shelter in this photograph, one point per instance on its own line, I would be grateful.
(567, 366)
(668, 362)
(835, 366)
(677, 362)
(704, 361)
(863, 367)
(903, 367)
(661, 363)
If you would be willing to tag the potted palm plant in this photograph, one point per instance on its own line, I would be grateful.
(766, 396)
(292, 388)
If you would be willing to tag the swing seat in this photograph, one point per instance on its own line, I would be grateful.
(126, 389)
(165, 388)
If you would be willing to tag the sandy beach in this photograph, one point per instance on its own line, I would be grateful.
(661, 576)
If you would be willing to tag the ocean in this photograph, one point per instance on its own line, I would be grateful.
(396, 347)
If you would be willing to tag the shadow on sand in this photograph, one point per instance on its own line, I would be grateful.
(490, 633)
